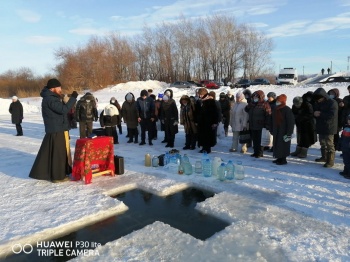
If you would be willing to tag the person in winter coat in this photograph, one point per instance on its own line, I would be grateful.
(109, 119)
(334, 94)
(16, 111)
(259, 112)
(231, 98)
(157, 104)
(248, 95)
(51, 162)
(130, 115)
(271, 98)
(345, 147)
(169, 116)
(225, 111)
(305, 126)
(85, 114)
(146, 116)
(282, 127)
(207, 120)
(346, 108)
(119, 124)
(326, 114)
(239, 121)
(187, 119)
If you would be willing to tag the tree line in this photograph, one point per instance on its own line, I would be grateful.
(214, 47)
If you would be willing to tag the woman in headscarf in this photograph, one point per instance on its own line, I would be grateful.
(282, 127)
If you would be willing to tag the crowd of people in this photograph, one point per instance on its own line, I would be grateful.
(318, 116)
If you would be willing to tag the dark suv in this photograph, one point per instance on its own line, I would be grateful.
(260, 81)
(243, 83)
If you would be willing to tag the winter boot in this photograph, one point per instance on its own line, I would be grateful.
(303, 152)
(330, 159)
(297, 151)
(281, 161)
(131, 134)
(226, 131)
(323, 156)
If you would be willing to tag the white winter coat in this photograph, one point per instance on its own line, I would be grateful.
(239, 117)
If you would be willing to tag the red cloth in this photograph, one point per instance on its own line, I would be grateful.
(92, 151)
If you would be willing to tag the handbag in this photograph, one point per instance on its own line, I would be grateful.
(244, 136)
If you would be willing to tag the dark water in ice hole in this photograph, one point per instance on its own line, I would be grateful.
(176, 210)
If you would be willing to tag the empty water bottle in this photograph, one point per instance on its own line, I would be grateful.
(222, 172)
(239, 170)
(207, 168)
(230, 170)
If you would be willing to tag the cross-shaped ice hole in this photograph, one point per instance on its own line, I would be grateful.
(176, 210)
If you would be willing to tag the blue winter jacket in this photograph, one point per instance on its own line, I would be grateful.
(54, 111)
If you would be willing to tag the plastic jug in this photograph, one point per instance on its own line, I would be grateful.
(204, 157)
(222, 172)
(239, 170)
(198, 167)
(155, 161)
(207, 168)
(187, 165)
(148, 160)
(230, 175)
(216, 163)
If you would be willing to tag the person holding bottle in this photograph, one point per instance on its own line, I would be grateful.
(282, 127)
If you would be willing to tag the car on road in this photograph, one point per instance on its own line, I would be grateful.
(335, 79)
(183, 84)
(260, 81)
(243, 83)
(195, 83)
(210, 84)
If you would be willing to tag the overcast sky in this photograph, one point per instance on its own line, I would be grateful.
(307, 35)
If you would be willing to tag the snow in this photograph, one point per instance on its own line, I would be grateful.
(296, 212)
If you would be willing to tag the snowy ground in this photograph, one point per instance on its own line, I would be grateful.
(296, 212)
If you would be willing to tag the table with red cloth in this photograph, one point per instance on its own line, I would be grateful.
(92, 157)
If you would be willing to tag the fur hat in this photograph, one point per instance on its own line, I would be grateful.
(14, 98)
(52, 83)
(297, 100)
(165, 98)
(272, 94)
(144, 93)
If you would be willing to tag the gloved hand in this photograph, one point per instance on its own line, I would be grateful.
(74, 94)
(176, 123)
(287, 138)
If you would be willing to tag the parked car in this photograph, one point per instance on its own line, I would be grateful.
(195, 83)
(210, 84)
(335, 79)
(260, 81)
(183, 84)
(243, 83)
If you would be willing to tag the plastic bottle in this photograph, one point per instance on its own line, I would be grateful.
(222, 172)
(239, 170)
(155, 161)
(185, 158)
(166, 158)
(230, 175)
(180, 169)
(207, 168)
(187, 165)
(173, 164)
(148, 160)
(216, 163)
(198, 167)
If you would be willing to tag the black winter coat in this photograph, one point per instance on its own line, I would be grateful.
(145, 108)
(305, 124)
(130, 113)
(16, 111)
(86, 109)
(169, 115)
(54, 111)
(207, 116)
(327, 122)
